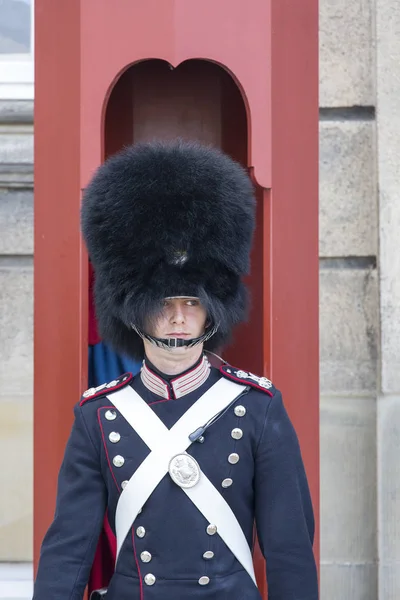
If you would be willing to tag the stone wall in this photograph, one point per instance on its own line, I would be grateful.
(16, 330)
(388, 158)
(349, 314)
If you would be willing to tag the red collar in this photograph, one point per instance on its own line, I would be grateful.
(181, 385)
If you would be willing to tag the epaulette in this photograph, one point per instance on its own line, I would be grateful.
(246, 378)
(106, 388)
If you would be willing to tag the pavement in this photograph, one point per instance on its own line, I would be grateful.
(16, 581)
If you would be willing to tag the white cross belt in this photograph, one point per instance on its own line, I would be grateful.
(165, 444)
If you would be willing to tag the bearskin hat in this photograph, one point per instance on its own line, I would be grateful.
(166, 219)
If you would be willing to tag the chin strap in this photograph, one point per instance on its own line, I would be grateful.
(170, 343)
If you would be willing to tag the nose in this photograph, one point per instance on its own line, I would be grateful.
(177, 314)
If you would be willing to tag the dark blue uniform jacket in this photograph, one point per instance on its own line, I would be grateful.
(269, 487)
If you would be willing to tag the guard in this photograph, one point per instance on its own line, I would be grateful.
(183, 458)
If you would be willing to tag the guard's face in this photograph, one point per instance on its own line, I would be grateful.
(180, 318)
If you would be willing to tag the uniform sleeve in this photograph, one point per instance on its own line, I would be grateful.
(284, 514)
(70, 543)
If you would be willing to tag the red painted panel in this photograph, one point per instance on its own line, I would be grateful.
(294, 224)
(60, 285)
(225, 32)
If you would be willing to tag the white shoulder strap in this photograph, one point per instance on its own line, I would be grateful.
(165, 444)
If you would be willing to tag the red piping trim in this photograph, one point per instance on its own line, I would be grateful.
(159, 401)
(192, 383)
(154, 383)
(156, 390)
(137, 565)
(180, 386)
(199, 366)
(152, 375)
(193, 378)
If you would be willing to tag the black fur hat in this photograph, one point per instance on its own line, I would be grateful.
(168, 219)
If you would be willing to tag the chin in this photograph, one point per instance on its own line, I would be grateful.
(180, 351)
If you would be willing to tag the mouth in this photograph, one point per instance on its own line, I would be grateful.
(178, 334)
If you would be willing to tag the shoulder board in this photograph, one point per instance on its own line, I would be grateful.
(260, 383)
(106, 388)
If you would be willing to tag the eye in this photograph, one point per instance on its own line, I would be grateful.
(192, 302)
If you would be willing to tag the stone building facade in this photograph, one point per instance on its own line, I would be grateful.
(359, 305)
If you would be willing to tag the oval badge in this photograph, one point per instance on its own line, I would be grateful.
(184, 470)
